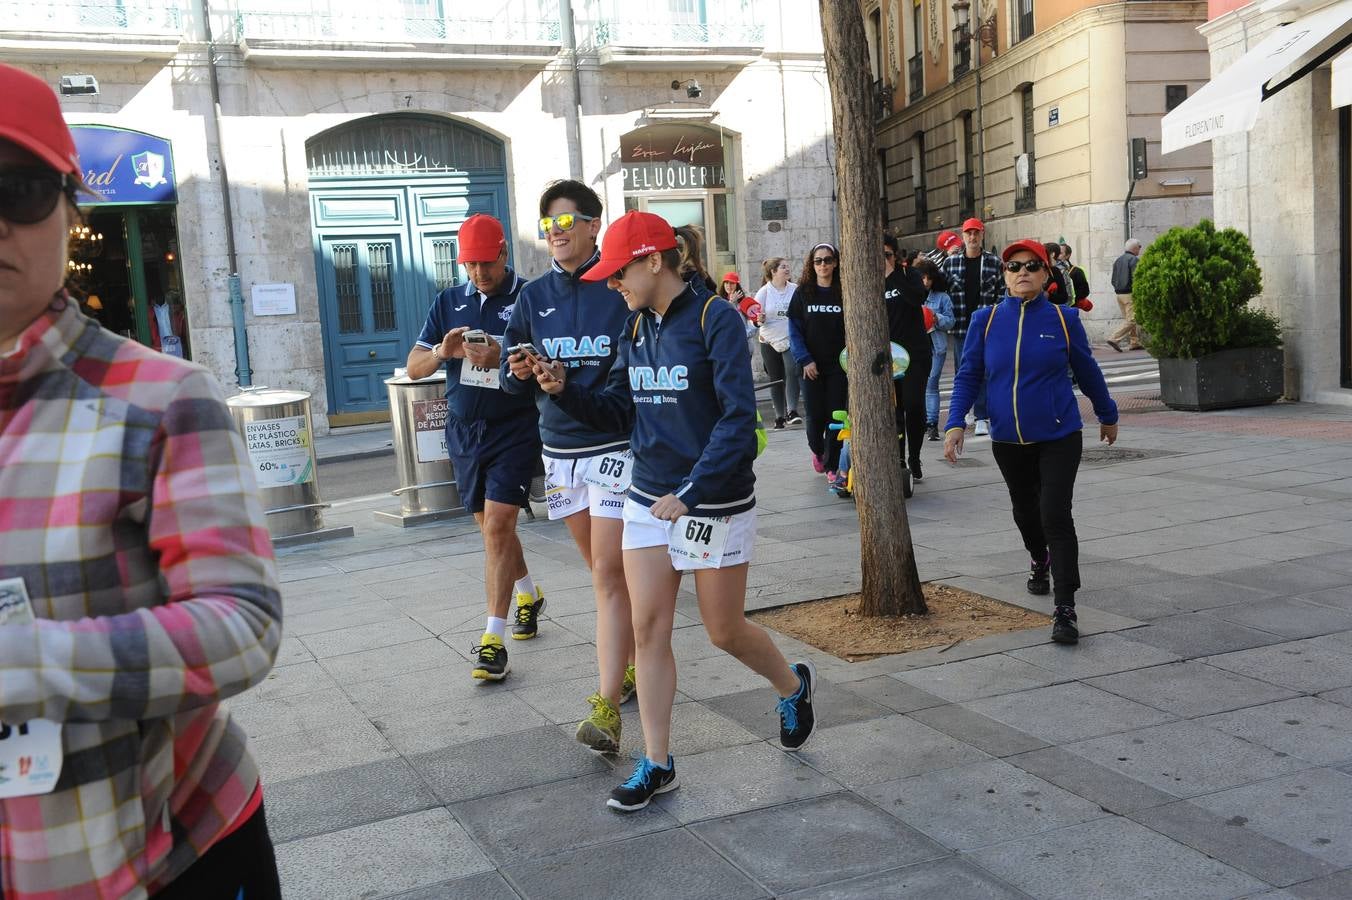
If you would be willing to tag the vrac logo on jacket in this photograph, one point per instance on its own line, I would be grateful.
(663, 378)
(576, 348)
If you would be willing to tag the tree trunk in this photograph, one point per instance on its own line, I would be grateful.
(891, 584)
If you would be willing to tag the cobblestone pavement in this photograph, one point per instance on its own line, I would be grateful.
(1197, 743)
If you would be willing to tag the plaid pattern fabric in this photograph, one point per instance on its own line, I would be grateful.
(992, 287)
(128, 508)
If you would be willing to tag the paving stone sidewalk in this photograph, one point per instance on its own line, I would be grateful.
(1196, 744)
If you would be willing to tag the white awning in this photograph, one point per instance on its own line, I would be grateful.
(1229, 103)
(1342, 79)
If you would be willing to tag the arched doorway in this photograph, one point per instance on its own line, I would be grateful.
(387, 197)
(680, 171)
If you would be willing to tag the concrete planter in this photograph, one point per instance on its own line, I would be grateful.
(1230, 378)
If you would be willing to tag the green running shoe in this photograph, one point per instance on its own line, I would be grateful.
(601, 730)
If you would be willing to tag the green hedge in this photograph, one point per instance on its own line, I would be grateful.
(1191, 291)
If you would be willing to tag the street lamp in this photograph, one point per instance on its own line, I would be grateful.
(986, 35)
(986, 31)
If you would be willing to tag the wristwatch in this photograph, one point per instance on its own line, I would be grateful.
(436, 351)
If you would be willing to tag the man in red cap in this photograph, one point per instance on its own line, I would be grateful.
(137, 583)
(975, 279)
(492, 436)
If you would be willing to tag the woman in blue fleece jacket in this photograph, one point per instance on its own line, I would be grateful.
(1019, 349)
(682, 380)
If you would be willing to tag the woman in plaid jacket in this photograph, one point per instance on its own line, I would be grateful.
(137, 581)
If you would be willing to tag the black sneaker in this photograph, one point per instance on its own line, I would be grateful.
(528, 610)
(1039, 576)
(1064, 630)
(916, 475)
(490, 659)
(793, 418)
(649, 779)
(779, 423)
(796, 719)
(932, 433)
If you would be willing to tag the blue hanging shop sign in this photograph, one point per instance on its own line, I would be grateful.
(123, 166)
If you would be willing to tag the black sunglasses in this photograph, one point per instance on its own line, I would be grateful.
(1033, 265)
(824, 261)
(27, 196)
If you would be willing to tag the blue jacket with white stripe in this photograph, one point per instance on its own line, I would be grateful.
(684, 383)
(576, 322)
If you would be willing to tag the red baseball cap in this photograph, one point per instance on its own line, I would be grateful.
(632, 236)
(1032, 246)
(30, 116)
(733, 277)
(480, 239)
(944, 238)
(951, 241)
(973, 224)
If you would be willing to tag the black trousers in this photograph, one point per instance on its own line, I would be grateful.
(910, 399)
(1041, 482)
(822, 396)
(240, 867)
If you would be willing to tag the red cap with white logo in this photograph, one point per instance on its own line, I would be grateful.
(632, 236)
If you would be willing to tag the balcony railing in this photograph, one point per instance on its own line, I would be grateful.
(388, 27)
(882, 99)
(966, 195)
(1025, 197)
(915, 73)
(657, 23)
(135, 17)
(921, 210)
(962, 54)
(1025, 24)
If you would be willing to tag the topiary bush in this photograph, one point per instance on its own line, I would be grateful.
(1190, 291)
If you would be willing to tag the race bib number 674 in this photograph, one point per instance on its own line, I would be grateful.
(699, 539)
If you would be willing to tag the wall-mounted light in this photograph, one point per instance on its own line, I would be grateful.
(692, 88)
(79, 84)
(986, 31)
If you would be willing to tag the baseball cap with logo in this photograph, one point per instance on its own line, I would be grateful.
(1034, 247)
(973, 224)
(632, 236)
(30, 117)
(943, 239)
(480, 239)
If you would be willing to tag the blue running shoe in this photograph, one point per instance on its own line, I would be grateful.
(796, 719)
(648, 780)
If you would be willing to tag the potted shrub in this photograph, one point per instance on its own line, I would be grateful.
(1191, 293)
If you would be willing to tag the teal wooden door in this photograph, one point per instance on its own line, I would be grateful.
(367, 279)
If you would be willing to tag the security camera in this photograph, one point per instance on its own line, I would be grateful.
(693, 90)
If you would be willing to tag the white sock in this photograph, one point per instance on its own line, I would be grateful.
(526, 585)
(496, 626)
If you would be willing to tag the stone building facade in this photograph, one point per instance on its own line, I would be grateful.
(355, 143)
(1033, 136)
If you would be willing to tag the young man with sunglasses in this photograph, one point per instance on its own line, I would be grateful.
(561, 317)
(492, 436)
(137, 583)
(975, 280)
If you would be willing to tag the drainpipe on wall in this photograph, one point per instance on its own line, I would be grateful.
(243, 374)
(570, 38)
(1126, 211)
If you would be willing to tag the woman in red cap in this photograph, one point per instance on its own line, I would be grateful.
(1019, 350)
(683, 382)
(730, 289)
(137, 582)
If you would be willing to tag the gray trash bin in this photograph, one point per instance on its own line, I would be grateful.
(278, 433)
(427, 490)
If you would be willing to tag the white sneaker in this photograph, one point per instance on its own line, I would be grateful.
(983, 426)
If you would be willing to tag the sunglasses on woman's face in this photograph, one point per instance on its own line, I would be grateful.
(27, 196)
(563, 222)
(1032, 265)
(824, 261)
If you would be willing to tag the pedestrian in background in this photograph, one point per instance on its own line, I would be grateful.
(690, 241)
(816, 337)
(904, 296)
(1020, 348)
(137, 579)
(974, 281)
(940, 306)
(1079, 281)
(730, 289)
(1124, 271)
(780, 367)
